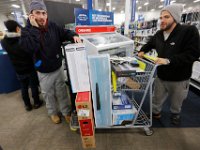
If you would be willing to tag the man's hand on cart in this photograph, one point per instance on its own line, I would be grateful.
(162, 61)
(141, 54)
(77, 39)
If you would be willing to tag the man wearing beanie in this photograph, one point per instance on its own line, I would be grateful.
(178, 46)
(22, 63)
(43, 39)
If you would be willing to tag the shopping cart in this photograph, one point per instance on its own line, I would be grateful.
(137, 85)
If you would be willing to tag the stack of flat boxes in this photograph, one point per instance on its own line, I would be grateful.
(85, 118)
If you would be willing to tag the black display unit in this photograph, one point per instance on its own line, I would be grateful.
(61, 13)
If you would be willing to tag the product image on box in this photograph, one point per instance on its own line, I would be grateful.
(121, 101)
(124, 116)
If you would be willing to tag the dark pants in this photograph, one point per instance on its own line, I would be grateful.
(32, 81)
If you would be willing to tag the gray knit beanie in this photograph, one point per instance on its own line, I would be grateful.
(175, 10)
(37, 5)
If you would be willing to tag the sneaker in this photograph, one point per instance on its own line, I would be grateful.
(156, 116)
(38, 104)
(74, 122)
(28, 107)
(55, 119)
(175, 119)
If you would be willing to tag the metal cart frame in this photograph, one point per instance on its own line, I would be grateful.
(142, 119)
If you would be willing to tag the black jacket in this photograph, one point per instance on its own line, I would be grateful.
(182, 48)
(45, 45)
(21, 60)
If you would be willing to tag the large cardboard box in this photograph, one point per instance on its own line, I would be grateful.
(87, 133)
(78, 67)
(84, 105)
(85, 117)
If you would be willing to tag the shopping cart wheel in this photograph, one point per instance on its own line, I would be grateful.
(148, 131)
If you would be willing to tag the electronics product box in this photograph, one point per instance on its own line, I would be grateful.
(123, 115)
(84, 105)
(121, 102)
(78, 67)
(85, 117)
(87, 133)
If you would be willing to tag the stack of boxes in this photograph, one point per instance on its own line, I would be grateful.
(85, 118)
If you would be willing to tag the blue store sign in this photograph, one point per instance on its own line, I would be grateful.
(133, 10)
(93, 17)
(167, 2)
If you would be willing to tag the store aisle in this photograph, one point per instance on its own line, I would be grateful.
(21, 130)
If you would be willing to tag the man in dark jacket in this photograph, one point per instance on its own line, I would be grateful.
(43, 39)
(178, 46)
(23, 64)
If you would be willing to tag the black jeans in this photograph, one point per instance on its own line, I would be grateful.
(31, 80)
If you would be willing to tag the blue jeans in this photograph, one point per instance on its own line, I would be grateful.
(31, 80)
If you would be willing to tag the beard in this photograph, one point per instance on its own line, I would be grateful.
(41, 24)
(168, 26)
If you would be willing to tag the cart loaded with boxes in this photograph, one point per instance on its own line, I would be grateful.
(121, 90)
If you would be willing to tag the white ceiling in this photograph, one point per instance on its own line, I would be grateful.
(6, 9)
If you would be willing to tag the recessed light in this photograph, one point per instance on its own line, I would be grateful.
(15, 6)
(172, 2)
(152, 9)
(107, 4)
(113, 8)
(161, 6)
(146, 3)
(196, 1)
(139, 7)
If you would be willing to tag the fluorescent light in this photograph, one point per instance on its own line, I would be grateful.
(107, 4)
(12, 13)
(172, 2)
(100, 9)
(146, 3)
(161, 6)
(122, 12)
(161, 0)
(78, 0)
(196, 1)
(136, 1)
(15, 6)
(113, 8)
(152, 9)
(139, 7)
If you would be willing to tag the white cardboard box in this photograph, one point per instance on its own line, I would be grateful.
(78, 67)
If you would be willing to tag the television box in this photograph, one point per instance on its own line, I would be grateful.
(84, 105)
